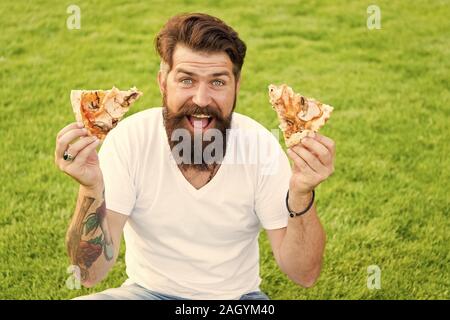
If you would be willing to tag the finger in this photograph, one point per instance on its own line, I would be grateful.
(73, 125)
(327, 142)
(75, 148)
(312, 161)
(318, 149)
(84, 153)
(298, 161)
(63, 142)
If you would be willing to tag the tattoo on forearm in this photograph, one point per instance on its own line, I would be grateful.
(90, 236)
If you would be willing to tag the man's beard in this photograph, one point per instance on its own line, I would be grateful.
(196, 159)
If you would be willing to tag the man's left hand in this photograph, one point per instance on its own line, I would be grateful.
(313, 161)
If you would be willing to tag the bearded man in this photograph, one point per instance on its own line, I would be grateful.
(188, 188)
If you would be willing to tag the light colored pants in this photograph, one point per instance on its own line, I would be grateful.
(136, 292)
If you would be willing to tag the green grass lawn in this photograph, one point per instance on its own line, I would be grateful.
(387, 203)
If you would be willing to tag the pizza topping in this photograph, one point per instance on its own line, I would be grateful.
(101, 125)
(310, 110)
(91, 101)
(130, 99)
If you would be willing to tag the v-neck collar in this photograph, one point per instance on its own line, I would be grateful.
(181, 179)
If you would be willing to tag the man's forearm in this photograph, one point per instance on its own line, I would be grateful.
(88, 238)
(302, 248)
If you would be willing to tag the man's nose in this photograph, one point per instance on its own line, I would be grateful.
(201, 96)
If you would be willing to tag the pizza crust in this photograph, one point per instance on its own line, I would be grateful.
(297, 137)
(75, 99)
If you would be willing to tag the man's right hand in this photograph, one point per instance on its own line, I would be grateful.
(84, 167)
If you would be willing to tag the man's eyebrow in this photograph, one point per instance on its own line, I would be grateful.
(215, 74)
(184, 71)
(221, 73)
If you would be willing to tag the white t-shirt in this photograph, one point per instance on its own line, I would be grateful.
(197, 244)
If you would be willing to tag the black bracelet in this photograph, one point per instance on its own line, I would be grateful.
(293, 214)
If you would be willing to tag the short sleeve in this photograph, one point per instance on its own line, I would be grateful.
(115, 163)
(272, 186)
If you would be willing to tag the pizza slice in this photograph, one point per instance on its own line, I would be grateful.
(101, 110)
(299, 116)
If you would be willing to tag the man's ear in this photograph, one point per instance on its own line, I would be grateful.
(162, 78)
(238, 84)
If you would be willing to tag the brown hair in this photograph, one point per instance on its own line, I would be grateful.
(200, 32)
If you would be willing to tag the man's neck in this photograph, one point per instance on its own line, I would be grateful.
(199, 178)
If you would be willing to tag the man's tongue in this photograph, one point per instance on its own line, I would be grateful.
(199, 123)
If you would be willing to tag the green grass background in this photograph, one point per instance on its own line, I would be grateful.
(387, 203)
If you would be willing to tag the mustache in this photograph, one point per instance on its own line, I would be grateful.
(190, 109)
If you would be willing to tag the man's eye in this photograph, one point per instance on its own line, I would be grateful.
(218, 83)
(186, 81)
